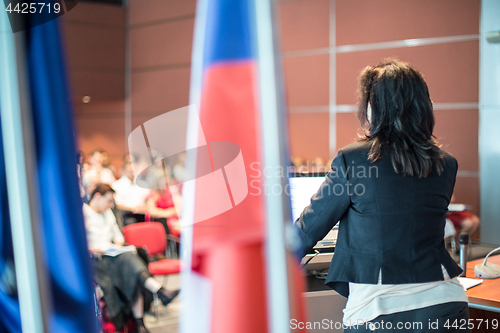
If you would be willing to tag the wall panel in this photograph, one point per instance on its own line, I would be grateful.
(368, 21)
(309, 135)
(160, 91)
(348, 129)
(161, 37)
(451, 70)
(144, 12)
(457, 131)
(100, 109)
(99, 85)
(162, 44)
(96, 14)
(92, 46)
(94, 38)
(306, 80)
(467, 191)
(304, 25)
(105, 131)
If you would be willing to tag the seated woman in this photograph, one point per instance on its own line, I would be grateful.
(162, 205)
(120, 277)
(464, 222)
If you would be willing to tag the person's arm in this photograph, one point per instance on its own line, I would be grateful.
(118, 238)
(136, 210)
(121, 199)
(107, 176)
(174, 225)
(326, 207)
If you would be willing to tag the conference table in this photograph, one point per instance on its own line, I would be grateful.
(485, 296)
(484, 299)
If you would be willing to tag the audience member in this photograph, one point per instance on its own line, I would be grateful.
(89, 182)
(106, 162)
(162, 205)
(130, 199)
(83, 161)
(464, 222)
(318, 165)
(130, 158)
(122, 276)
(79, 171)
(300, 164)
(104, 174)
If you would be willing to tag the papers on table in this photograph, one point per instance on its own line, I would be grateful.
(115, 250)
(454, 207)
(468, 283)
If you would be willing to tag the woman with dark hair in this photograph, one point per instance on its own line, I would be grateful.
(390, 192)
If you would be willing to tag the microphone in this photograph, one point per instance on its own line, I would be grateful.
(464, 252)
(487, 271)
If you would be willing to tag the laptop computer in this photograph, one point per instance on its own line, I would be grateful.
(302, 187)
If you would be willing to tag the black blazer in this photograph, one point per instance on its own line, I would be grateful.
(388, 221)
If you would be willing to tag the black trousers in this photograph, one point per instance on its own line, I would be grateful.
(131, 218)
(446, 317)
(121, 279)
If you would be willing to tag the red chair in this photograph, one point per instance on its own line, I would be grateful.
(151, 235)
(173, 236)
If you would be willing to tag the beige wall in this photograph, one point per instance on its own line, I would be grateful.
(161, 34)
(95, 46)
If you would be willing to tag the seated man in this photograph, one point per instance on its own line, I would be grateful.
(130, 199)
(122, 276)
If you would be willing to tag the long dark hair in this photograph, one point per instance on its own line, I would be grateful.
(401, 119)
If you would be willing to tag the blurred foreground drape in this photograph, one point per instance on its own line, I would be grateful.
(63, 239)
(225, 236)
